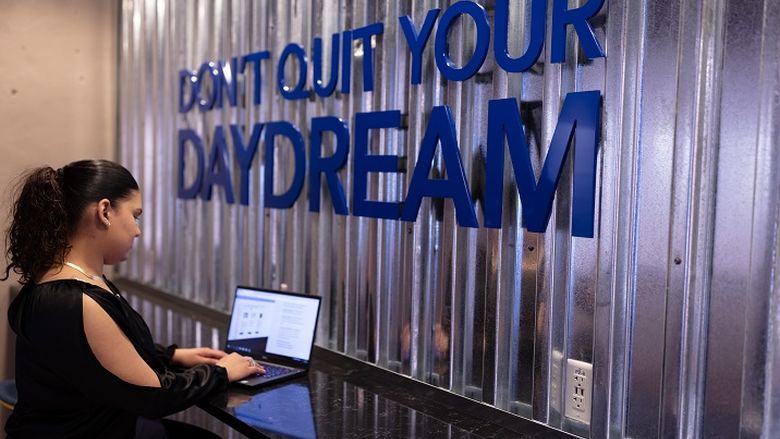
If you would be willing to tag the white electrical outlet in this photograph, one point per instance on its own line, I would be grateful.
(579, 390)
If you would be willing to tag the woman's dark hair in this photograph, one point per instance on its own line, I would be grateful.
(48, 208)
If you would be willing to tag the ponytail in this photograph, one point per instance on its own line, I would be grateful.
(48, 208)
(38, 235)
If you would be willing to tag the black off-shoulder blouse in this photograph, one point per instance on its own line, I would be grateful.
(63, 389)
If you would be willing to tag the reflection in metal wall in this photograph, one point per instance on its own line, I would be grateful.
(675, 301)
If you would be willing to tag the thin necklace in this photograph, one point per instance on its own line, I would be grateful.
(94, 277)
(82, 271)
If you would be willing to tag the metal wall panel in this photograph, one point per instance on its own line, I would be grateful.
(675, 301)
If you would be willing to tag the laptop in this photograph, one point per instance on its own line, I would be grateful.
(276, 328)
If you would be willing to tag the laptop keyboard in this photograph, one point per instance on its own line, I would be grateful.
(275, 371)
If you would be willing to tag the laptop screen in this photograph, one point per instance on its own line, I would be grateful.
(273, 322)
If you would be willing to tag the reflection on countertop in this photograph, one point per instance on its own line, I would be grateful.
(345, 398)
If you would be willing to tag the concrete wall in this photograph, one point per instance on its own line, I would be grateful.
(57, 97)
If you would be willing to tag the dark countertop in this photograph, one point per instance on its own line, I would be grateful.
(345, 398)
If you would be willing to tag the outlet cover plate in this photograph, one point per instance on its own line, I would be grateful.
(579, 390)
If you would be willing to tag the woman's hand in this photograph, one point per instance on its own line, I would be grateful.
(194, 356)
(239, 367)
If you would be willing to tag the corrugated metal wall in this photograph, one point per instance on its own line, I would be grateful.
(675, 301)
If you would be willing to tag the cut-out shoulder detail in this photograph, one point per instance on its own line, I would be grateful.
(112, 348)
(70, 336)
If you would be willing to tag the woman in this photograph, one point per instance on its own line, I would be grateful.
(86, 365)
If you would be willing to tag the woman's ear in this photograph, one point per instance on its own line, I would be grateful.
(104, 207)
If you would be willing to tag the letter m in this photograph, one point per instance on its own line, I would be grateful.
(578, 121)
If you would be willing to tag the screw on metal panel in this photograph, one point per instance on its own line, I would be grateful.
(530, 248)
(677, 260)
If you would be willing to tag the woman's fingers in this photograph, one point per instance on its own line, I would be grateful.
(254, 365)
